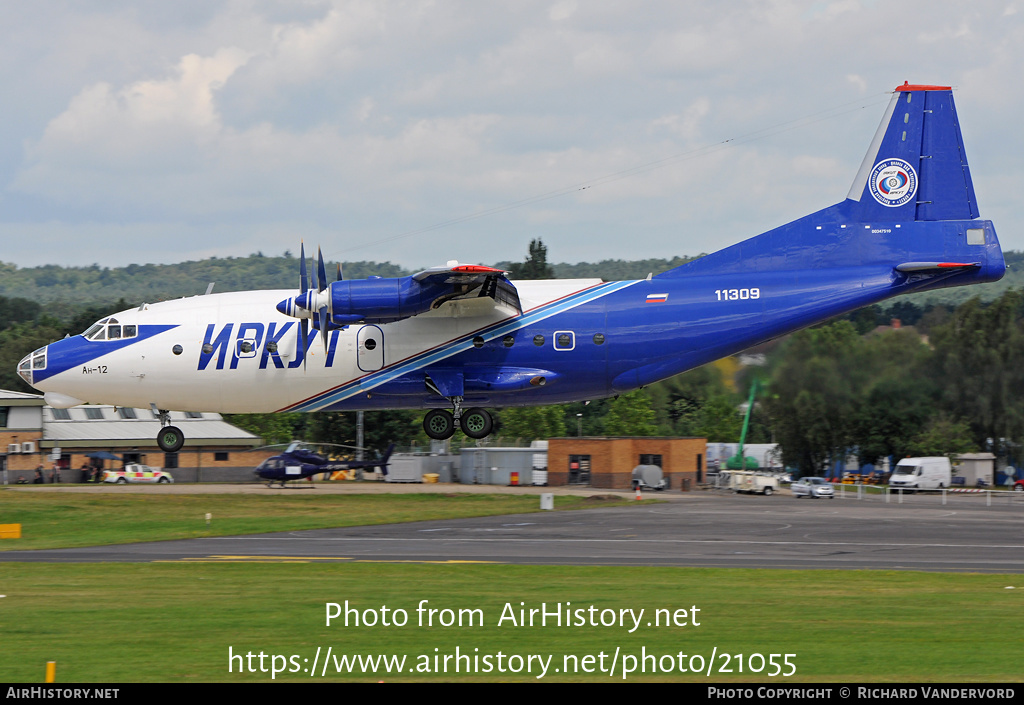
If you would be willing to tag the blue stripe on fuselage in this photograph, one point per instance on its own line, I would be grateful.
(68, 353)
(454, 347)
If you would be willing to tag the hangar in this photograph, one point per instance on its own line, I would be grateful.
(33, 434)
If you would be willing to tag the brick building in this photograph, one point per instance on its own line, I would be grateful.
(609, 462)
(33, 434)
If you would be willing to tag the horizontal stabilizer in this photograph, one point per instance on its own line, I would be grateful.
(935, 266)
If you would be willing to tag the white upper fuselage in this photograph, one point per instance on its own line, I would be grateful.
(241, 371)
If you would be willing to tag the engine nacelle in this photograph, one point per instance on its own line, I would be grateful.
(373, 300)
(379, 300)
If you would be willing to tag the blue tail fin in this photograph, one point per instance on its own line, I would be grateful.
(916, 167)
(911, 204)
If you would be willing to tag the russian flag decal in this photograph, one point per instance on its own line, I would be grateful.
(657, 298)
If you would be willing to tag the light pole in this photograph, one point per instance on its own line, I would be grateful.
(579, 425)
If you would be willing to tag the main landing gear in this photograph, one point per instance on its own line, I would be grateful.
(475, 422)
(170, 439)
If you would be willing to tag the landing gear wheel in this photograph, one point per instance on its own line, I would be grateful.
(476, 423)
(439, 424)
(170, 439)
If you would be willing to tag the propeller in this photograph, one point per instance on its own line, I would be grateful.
(312, 302)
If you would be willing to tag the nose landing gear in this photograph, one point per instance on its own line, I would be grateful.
(170, 439)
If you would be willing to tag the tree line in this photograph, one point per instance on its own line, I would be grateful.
(950, 380)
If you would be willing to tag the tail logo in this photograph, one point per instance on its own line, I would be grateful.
(893, 182)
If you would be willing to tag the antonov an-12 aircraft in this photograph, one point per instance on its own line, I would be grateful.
(458, 338)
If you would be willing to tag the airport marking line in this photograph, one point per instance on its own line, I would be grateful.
(300, 559)
(449, 539)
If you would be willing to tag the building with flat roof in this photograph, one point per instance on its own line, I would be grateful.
(609, 462)
(34, 435)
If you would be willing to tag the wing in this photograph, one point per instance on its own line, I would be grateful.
(479, 290)
(471, 281)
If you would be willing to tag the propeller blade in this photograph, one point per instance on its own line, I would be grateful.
(303, 279)
(323, 326)
(339, 272)
(302, 341)
(321, 270)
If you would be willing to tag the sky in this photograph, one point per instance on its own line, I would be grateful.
(421, 131)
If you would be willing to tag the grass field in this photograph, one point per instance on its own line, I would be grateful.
(69, 519)
(176, 622)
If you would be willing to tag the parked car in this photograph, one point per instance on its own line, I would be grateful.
(1018, 486)
(134, 472)
(812, 487)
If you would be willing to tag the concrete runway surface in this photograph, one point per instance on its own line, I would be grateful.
(693, 529)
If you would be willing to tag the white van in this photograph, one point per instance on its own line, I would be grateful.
(922, 474)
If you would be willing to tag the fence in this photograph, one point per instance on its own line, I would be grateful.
(1004, 497)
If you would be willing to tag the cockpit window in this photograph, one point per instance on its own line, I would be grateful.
(110, 329)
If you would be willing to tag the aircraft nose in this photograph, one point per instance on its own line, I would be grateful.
(32, 361)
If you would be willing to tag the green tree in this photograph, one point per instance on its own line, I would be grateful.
(380, 428)
(536, 265)
(331, 427)
(717, 419)
(532, 422)
(979, 356)
(942, 436)
(631, 415)
(897, 397)
(273, 428)
(814, 396)
(19, 340)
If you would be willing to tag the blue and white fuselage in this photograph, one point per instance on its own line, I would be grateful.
(910, 223)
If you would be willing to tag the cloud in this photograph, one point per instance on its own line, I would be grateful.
(140, 127)
(360, 120)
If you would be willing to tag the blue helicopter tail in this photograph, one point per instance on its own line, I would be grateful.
(383, 464)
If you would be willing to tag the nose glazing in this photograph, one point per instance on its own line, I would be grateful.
(29, 363)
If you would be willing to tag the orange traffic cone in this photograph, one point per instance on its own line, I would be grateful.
(638, 497)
